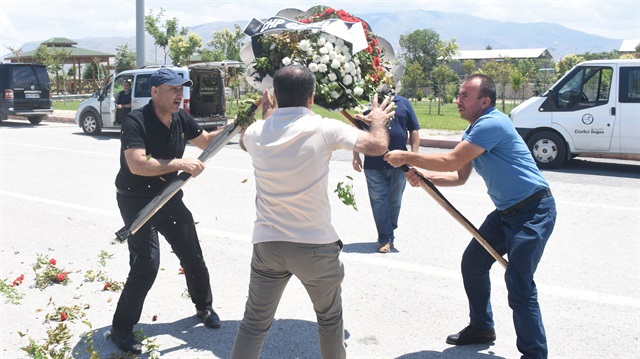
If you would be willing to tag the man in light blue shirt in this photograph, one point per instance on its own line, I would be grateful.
(519, 227)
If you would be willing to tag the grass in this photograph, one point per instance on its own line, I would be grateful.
(448, 119)
(67, 106)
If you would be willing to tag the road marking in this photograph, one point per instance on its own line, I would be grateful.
(54, 202)
(93, 153)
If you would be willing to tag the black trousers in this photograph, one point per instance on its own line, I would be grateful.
(175, 222)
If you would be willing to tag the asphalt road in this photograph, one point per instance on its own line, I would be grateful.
(57, 199)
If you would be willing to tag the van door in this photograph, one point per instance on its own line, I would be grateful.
(141, 91)
(107, 104)
(629, 109)
(585, 107)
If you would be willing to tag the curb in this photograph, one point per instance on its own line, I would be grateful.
(438, 143)
(424, 142)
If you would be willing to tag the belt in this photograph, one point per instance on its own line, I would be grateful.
(534, 197)
(130, 194)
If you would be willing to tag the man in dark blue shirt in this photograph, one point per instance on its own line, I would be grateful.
(384, 182)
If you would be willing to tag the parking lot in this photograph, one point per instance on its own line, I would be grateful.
(57, 198)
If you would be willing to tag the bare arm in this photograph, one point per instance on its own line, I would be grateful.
(452, 161)
(376, 141)
(414, 140)
(205, 138)
(141, 165)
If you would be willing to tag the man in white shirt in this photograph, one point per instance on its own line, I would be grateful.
(293, 234)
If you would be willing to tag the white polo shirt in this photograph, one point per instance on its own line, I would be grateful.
(291, 151)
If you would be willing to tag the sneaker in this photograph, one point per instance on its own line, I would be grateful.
(126, 341)
(472, 335)
(209, 318)
(385, 247)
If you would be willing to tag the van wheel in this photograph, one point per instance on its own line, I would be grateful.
(548, 149)
(36, 119)
(90, 124)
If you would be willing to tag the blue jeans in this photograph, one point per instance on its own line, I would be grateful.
(385, 194)
(522, 235)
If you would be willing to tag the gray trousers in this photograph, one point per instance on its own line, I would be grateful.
(321, 272)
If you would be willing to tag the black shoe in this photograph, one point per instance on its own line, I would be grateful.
(126, 341)
(472, 335)
(209, 317)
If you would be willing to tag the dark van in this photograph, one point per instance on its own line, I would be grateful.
(25, 91)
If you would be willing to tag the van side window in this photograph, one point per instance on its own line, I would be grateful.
(629, 85)
(588, 87)
(142, 88)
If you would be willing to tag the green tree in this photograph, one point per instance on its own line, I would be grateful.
(567, 63)
(54, 59)
(443, 75)
(125, 58)
(226, 45)
(181, 48)
(412, 79)
(469, 66)
(500, 72)
(517, 83)
(421, 46)
(163, 33)
(528, 69)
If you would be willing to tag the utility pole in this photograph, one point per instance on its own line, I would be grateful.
(140, 59)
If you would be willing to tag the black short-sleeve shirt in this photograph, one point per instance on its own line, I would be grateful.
(143, 129)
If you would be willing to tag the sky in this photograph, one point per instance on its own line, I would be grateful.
(37, 20)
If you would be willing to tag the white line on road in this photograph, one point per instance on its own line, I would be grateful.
(570, 293)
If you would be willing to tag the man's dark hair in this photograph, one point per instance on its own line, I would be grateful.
(293, 85)
(487, 87)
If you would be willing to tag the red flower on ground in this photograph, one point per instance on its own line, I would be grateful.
(18, 280)
(181, 270)
(62, 277)
(106, 285)
(52, 261)
(155, 318)
(63, 317)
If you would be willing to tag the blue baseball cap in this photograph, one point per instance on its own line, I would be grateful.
(167, 76)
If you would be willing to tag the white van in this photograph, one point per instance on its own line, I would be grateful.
(205, 100)
(593, 110)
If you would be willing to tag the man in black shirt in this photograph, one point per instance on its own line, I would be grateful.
(153, 140)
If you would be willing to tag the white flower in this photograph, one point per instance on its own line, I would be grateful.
(304, 45)
(347, 80)
(335, 64)
(325, 59)
(335, 94)
(332, 77)
(323, 50)
(328, 46)
(322, 68)
(358, 91)
(332, 54)
(286, 61)
(313, 67)
(321, 41)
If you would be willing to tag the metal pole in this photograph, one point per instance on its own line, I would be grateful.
(140, 60)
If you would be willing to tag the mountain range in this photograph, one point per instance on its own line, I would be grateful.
(470, 32)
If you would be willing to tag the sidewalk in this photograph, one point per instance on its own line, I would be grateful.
(428, 137)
